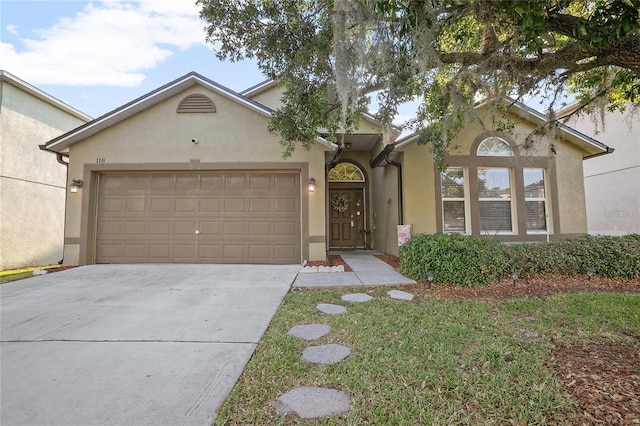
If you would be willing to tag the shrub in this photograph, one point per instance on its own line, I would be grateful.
(615, 257)
(456, 259)
(468, 260)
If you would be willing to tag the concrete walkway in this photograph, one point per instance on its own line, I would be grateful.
(367, 269)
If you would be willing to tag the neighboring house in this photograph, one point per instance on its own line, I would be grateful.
(189, 173)
(32, 182)
(612, 182)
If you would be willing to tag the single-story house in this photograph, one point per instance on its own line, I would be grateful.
(189, 173)
(32, 182)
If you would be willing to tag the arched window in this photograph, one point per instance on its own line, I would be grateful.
(494, 147)
(346, 172)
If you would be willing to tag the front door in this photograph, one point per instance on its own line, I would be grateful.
(347, 218)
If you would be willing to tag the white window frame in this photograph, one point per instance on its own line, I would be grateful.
(465, 199)
(547, 231)
(511, 201)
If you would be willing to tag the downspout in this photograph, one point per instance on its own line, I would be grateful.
(398, 167)
(330, 165)
(59, 157)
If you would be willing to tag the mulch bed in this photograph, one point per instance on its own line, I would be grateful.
(336, 260)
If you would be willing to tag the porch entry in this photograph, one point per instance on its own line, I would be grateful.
(347, 207)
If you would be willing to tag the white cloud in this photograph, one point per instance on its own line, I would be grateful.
(108, 43)
(12, 29)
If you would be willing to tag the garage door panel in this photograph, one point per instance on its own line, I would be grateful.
(286, 182)
(234, 205)
(260, 229)
(210, 217)
(184, 228)
(286, 205)
(185, 205)
(235, 182)
(135, 228)
(135, 251)
(161, 228)
(234, 228)
(209, 228)
(209, 252)
(211, 183)
(161, 205)
(234, 252)
(210, 205)
(162, 183)
(136, 205)
(260, 182)
(160, 251)
(260, 205)
(259, 252)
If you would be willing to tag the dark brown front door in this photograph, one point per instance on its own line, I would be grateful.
(346, 226)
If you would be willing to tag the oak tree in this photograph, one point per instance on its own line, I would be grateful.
(332, 56)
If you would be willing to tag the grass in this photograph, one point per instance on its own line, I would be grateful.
(19, 274)
(431, 361)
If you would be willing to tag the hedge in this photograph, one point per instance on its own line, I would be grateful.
(470, 260)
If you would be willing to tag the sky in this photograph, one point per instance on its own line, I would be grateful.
(96, 56)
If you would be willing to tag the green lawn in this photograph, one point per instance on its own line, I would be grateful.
(432, 361)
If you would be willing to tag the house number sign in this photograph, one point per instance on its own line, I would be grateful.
(100, 160)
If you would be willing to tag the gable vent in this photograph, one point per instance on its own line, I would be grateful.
(196, 103)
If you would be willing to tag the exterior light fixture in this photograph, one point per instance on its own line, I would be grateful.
(514, 276)
(312, 185)
(75, 184)
(429, 277)
(590, 272)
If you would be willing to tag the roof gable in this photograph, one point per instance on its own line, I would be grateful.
(43, 96)
(588, 145)
(61, 143)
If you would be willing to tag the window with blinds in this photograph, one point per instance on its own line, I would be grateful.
(453, 200)
(535, 200)
(494, 194)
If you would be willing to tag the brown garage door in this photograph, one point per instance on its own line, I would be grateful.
(231, 217)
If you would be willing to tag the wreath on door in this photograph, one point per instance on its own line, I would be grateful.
(340, 203)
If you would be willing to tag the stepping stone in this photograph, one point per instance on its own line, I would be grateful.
(328, 308)
(356, 297)
(325, 354)
(309, 331)
(400, 295)
(312, 403)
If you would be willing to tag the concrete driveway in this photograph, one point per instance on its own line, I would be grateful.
(131, 344)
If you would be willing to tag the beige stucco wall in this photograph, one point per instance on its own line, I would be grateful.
(421, 191)
(32, 182)
(612, 181)
(270, 97)
(233, 137)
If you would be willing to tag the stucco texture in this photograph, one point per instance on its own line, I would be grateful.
(32, 182)
(158, 138)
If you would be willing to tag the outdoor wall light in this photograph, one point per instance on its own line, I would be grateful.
(514, 276)
(312, 185)
(429, 278)
(75, 184)
(590, 272)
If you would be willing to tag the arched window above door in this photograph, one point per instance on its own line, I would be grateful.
(346, 172)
